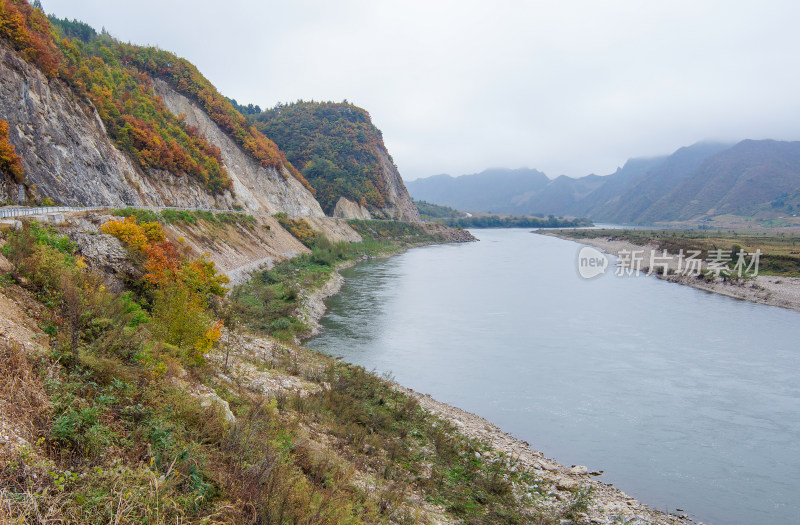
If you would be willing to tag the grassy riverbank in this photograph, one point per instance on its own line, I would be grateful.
(269, 302)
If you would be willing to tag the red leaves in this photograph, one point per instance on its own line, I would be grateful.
(28, 30)
(163, 263)
(186, 79)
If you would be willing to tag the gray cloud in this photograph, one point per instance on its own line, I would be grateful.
(570, 87)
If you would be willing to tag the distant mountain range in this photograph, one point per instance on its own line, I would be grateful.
(705, 179)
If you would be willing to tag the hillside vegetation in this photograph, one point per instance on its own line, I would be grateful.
(116, 78)
(429, 210)
(141, 407)
(336, 147)
(10, 162)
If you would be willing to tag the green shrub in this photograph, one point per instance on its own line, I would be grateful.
(142, 216)
(179, 216)
(299, 228)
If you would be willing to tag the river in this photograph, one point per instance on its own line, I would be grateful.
(685, 399)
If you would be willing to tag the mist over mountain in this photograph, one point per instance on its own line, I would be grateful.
(491, 190)
(702, 180)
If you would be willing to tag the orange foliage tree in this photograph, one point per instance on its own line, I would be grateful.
(164, 263)
(10, 162)
(28, 31)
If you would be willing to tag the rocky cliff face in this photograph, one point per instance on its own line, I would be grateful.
(66, 153)
(399, 204)
(69, 158)
(256, 188)
(347, 209)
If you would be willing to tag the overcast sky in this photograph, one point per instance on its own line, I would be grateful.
(568, 87)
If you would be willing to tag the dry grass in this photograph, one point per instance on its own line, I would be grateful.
(24, 405)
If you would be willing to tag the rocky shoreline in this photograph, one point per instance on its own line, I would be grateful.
(609, 505)
(313, 306)
(783, 292)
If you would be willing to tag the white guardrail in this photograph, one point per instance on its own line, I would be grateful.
(10, 212)
(43, 210)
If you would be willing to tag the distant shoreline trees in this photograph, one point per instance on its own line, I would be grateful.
(515, 221)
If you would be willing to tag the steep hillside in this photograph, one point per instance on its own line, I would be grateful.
(341, 153)
(559, 196)
(609, 194)
(83, 114)
(750, 177)
(658, 182)
(256, 187)
(66, 154)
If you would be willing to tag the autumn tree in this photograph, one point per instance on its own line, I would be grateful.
(182, 289)
(10, 162)
(28, 31)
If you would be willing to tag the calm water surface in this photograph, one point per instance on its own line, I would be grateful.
(686, 399)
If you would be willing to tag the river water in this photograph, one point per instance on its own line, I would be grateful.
(686, 399)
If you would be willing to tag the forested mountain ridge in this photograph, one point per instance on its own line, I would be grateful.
(751, 178)
(341, 153)
(84, 115)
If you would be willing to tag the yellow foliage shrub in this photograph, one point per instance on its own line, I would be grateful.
(153, 232)
(132, 234)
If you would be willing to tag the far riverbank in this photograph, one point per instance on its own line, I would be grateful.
(770, 290)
